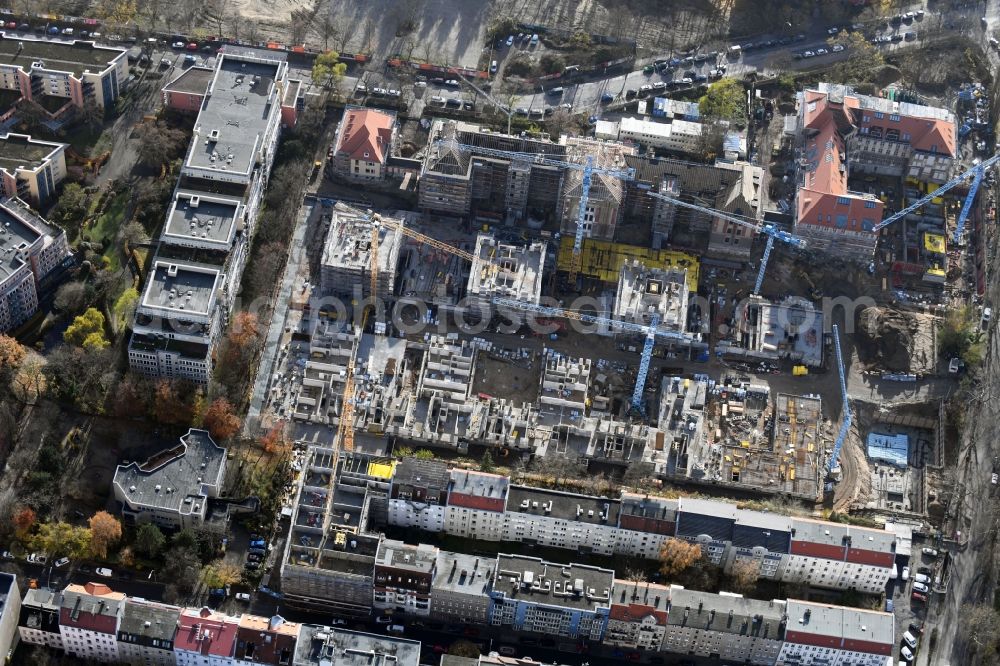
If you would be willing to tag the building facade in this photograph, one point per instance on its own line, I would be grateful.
(403, 576)
(31, 169)
(638, 616)
(38, 623)
(819, 634)
(146, 633)
(88, 621)
(10, 613)
(205, 638)
(460, 589)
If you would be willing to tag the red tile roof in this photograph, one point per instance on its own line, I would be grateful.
(206, 632)
(636, 613)
(837, 642)
(91, 607)
(365, 135)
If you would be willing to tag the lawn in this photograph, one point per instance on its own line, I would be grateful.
(107, 225)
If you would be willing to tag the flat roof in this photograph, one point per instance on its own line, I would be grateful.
(629, 592)
(466, 574)
(643, 290)
(533, 580)
(421, 473)
(349, 241)
(193, 81)
(323, 646)
(235, 115)
(854, 624)
(182, 288)
(142, 618)
(567, 506)
(57, 55)
(480, 484)
(399, 555)
(726, 613)
(19, 228)
(645, 506)
(20, 151)
(202, 218)
(504, 269)
(174, 477)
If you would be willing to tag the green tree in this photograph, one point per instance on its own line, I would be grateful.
(59, 538)
(725, 100)
(328, 71)
(149, 540)
(220, 574)
(424, 454)
(71, 209)
(125, 305)
(486, 464)
(87, 331)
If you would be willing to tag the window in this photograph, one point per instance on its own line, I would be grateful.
(879, 115)
(843, 201)
(894, 118)
(870, 204)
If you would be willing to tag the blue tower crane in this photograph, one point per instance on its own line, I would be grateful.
(650, 331)
(772, 232)
(977, 172)
(588, 169)
(845, 424)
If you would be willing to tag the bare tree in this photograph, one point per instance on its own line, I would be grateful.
(367, 34)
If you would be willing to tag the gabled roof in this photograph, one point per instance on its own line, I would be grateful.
(91, 607)
(365, 134)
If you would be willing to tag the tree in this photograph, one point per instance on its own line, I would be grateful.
(676, 555)
(220, 574)
(134, 234)
(486, 464)
(274, 441)
(80, 376)
(24, 519)
(725, 100)
(744, 575)
(424, 454)
(71, 209)
(59, 538)
(182, 568)
(87, 331)
(862, 62)
(221, 421)
(980, 626)
(124, 307)
(28, 383)
(328, 71)
(464, 648)
(12, 353)
(149, 540)
(159, 144)
(72, 297)
(105, 532)
(170, 405)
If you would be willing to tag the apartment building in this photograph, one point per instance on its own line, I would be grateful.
(677, 136)
(458, 180)
(205, 638)
(324, 646)
(403, 575)
(364, 140)
(604, 205)
(460, 588)
(34, 249)
(204, 246)
(647, 292)
(569, 601)
(88, 621)
(476, 504)
(267, 641)
(724, 626)
(38, 621)
(10, 613)
(743, 200)
(638, 616)
(146, 633)
(823, 635)
(418, 494)
(60, 76)
(173, 489)
(822, 554)
(31, 169)
(187, 91)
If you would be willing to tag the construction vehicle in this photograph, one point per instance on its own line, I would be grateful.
(772, 232)
(814, 293)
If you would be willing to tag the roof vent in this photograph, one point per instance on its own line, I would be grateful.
(172, 270)
(194, 201)
(213, 135)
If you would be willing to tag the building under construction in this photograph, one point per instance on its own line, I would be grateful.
(647, 292)
(329, 558)
(607, 193)
(505, 270)
(604, 260)
(457, 180)
(788, 330)
(347, 254)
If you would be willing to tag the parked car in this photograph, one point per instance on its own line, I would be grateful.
(37, 558)
(630, 93)
(177, 45)
(395, 629)
(510, 41)
(917, 629)
(493, 67)
(54, 30)
(921, 578)
(452, 83)
(820, 52)
(660, 85)
(918, 596)
(104, 571)
(252, 565)
(260, 543)
(910, 640)
(242, 596)
(929, 552)
(910, 36)
(808, 54)
(61, 562)
(920, 587)
(906, 653)
(905, 575)
(7, 555)
(217, 592)
(193, 46)
(837, 48)
(383, 619)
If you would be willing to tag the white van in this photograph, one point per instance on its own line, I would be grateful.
(910, 640)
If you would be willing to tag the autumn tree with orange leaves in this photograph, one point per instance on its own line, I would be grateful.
(24, 519)
(676, 555)
(105, 532)
(221, 421)
(237, 352)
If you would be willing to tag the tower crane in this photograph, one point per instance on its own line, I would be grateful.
(650, 331)
(977, 172)
(588, 169)
(769, 230)
(848, 418)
